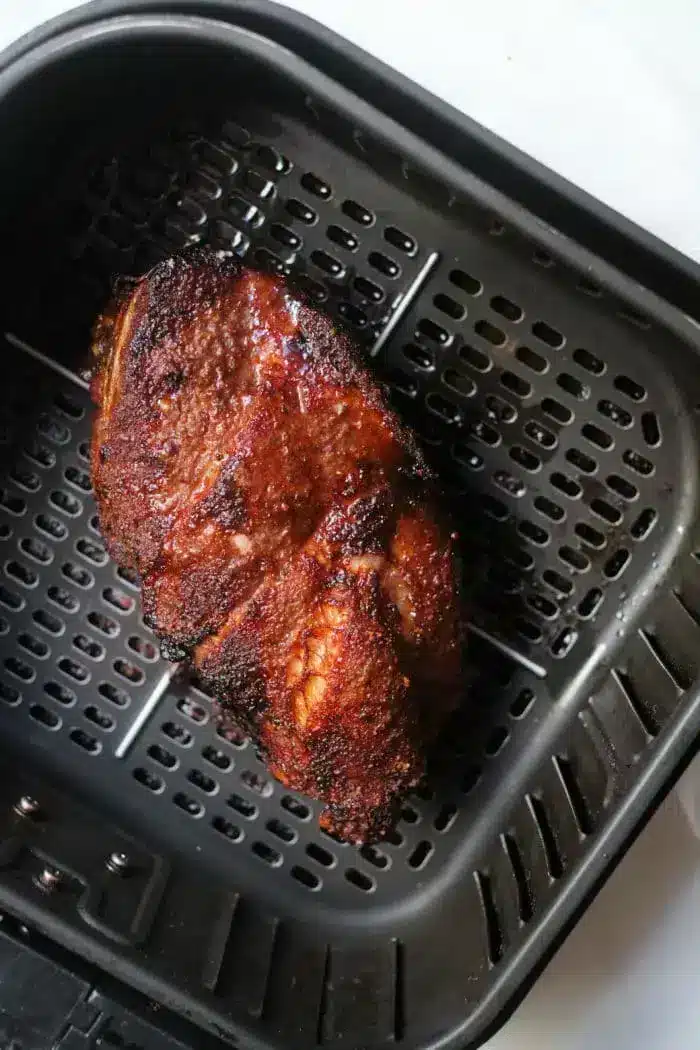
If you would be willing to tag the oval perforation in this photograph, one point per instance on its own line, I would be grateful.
(532, 360)
(644, 523)
(99, 718)
(48, 622)
(358, 213)
(78, 575)
(465, 282)
(62, 599)
(45, 717)
(543, 606)
(40, 455)
(51, 526)
(26, 480)
(360, 880)
(591, 536)
(227, 828)
(431, 330)
(614, 412)
(384, 264)
(342, 238)
(191, 806)
(178, 734)
(561, 586)
(91, 551)
(60, 693)
(588, 361)
(331, 266)
(556, 411)
(22, 574)
(573, 386)
(10, 599)
(316, 185)
(36, 550)
(13, 504)
(590, 603)
(114, 694)
(149, 780)
(301, 211)
(129, 672)
(9, 695)
(78, 479)
(638, 463)
(203, 781)
(547, 334)
(597, 436)
(36, 647)
(19, 669)
(449, 306)
(549, 508)
(489, 332)
(582, 461)
(66, 503)
(540, 435)
(296, 807)
(419, 356)
(368, 290)
(525, 459)
(88, 647)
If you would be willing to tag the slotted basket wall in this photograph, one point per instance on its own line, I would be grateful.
(559, 403)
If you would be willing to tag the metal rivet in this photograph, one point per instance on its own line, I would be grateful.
(49, 880)
(118, 863)
(27, 807)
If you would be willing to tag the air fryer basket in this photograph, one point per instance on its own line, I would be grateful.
(558, 401)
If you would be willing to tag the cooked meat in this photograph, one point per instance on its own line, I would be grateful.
(284, 526)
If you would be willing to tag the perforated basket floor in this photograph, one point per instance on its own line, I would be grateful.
(562, 421)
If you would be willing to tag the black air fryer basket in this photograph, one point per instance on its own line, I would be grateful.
(153, 877)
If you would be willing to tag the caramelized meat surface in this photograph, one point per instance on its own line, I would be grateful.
(284, 527)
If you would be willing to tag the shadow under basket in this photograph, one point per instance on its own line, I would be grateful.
(558, 401)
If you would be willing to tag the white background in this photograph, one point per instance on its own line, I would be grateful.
(606, 92)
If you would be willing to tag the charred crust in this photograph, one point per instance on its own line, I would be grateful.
(175, 289)
(361, 527)
(237, 676)
(225, 502)
(359, 826)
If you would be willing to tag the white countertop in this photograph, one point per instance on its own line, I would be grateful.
(607, 93)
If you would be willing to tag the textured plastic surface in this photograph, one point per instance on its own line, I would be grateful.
(560, 416)
(72, 1013)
